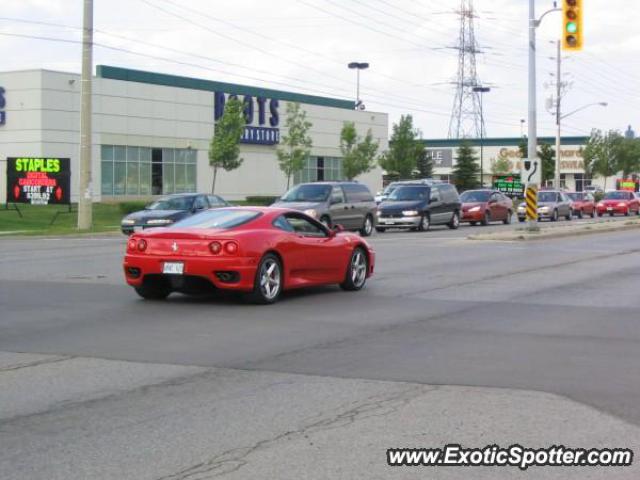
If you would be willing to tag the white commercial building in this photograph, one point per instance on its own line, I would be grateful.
(151, 132)
(572, 174)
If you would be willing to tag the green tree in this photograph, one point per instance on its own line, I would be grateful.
(295, 146)
(402, 156)
(224, 148)
(501, 165)
(466, 171)
(601, 154)
(358, 155)
(424, 163)
(547, 156)
(629, 156)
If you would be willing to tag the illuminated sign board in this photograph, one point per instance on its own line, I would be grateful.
(3, 103)
(259, 130)
(628, 184)
(509, 185)
(38, 181)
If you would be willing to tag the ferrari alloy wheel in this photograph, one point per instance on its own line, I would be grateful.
(268, 283)
(357, 272)
(367, 227)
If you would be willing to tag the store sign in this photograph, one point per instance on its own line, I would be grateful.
(38, 181)
(261, 117)
(628, 184)
(509, 185)
(3, 103)
(441, 157)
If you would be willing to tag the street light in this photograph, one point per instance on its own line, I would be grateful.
(481, 90)
(358, 66)
(559, 117)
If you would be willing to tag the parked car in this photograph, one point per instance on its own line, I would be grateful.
(260, 251)
(485, 206)
(582, 203)
(618, 202)
(168, 210)
(418, 206)
(349, 204)
(593, 189)
(552, 204)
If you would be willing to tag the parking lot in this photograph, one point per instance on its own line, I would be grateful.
(452, 339)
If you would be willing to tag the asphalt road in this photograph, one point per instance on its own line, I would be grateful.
(452, 341)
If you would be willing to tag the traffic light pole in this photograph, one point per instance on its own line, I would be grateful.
(556, 177)
(532, 141)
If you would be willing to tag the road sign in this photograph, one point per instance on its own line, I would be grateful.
(531, 173)
(531, 201)
(509, 185)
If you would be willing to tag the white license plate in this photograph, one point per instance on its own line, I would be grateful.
(173, 268)
(388, 222)
(609, 209)
(137, 229)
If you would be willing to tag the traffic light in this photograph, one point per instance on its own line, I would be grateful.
(572, 25)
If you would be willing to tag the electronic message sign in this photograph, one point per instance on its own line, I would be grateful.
(509, 185)
(38, 181)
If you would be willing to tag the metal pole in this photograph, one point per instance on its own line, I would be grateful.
(556, 179)
(532, 150)
(85, 194)
(481, 143)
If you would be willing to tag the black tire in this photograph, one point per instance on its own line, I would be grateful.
(367, 226)
(381, 229)
(153, 291)
(580, 214)
(473, 224)
(507, 221)
(266, 294)
(357, 271)
(425, 223)
(326, 220)
(455, 221)
(569, 216)
(611, 214)
(593, 213)
(521, 220)
(626, 213)
(486, 219)
(554, 217)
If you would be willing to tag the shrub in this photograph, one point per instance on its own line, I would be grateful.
(260, 200)
(131, 206)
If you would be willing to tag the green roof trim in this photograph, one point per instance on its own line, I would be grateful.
(140, 76)
(500, 142)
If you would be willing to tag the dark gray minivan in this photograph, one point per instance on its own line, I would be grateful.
(349, 204)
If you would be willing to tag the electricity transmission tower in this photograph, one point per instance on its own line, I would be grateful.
(466, 120)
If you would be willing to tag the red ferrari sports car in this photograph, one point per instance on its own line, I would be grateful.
(260, 251)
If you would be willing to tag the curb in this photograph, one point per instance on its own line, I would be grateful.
(588, 229)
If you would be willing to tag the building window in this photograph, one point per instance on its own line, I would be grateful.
(318, 169)
(129, 170)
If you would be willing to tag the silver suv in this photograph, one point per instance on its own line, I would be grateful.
(349, 204)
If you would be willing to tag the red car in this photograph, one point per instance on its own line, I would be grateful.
(260, 251)
(582, 203)
(485, 206)
(618, 202)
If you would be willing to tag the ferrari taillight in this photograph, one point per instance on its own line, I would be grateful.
(131, 244)
(231, 248)
(142, 245)
(215, 247)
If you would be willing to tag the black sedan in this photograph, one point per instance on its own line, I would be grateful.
(170, 209)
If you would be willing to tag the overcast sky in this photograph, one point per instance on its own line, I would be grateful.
(305, 45)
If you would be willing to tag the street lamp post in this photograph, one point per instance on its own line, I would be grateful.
(559, 118)
(481, 90)
(358, 66)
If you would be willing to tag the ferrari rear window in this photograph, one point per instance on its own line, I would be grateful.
(219, 218)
